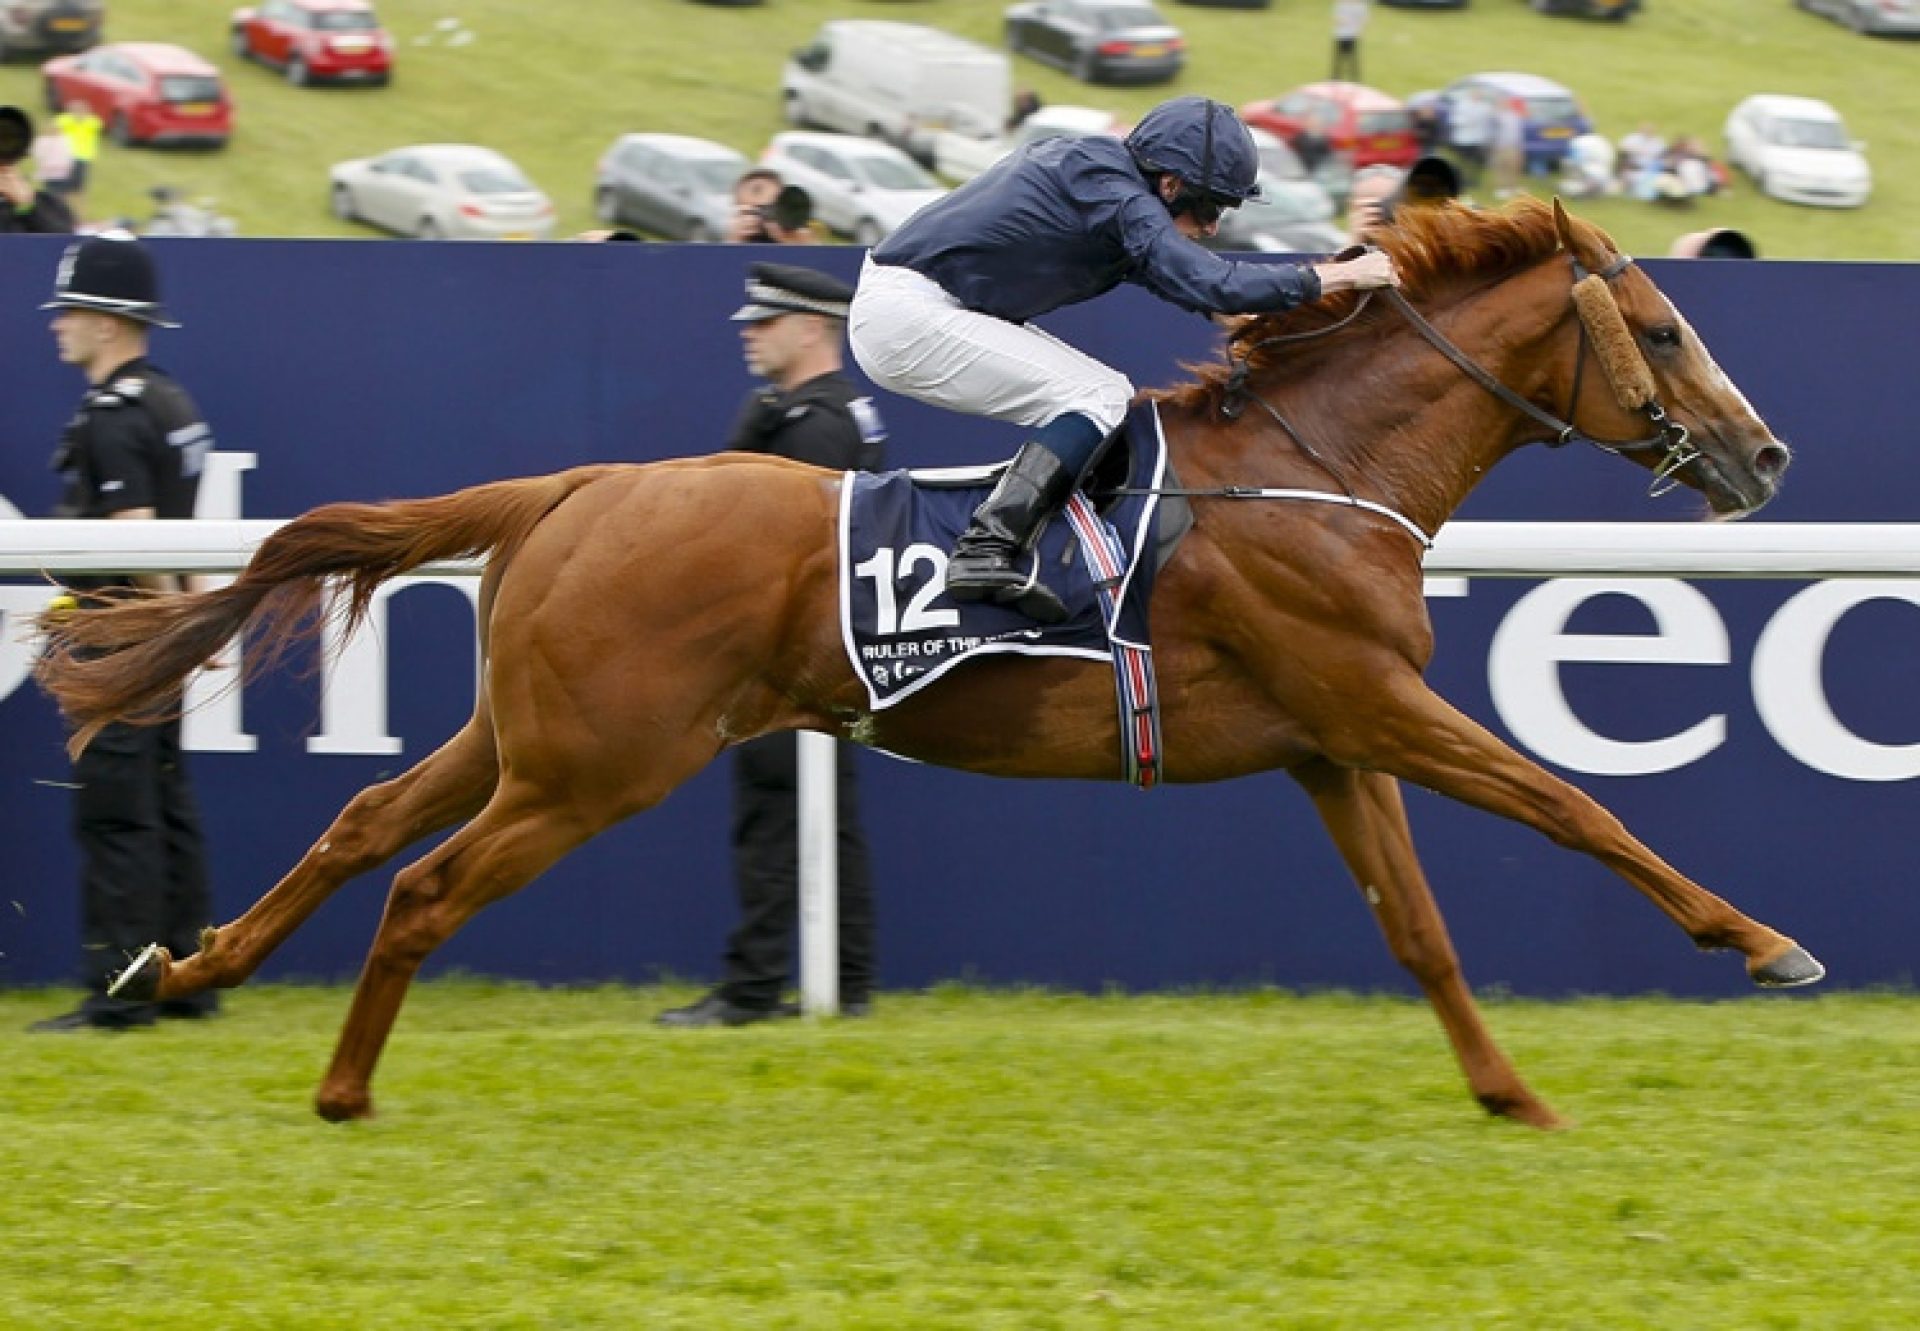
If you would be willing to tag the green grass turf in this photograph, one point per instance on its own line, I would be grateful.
(551, 85)
(967, 1160)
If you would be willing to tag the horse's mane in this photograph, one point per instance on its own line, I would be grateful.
(1434, 248)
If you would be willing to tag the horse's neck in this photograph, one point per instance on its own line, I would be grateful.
(1393, 418)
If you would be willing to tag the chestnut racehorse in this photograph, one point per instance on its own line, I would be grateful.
(637, 620)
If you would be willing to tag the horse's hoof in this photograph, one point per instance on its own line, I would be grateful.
(140, 982)
(1790, 969)
(342, 1106)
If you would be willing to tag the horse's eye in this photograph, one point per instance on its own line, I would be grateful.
(1664, 336)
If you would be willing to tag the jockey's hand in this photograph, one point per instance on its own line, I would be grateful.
(1371, 269)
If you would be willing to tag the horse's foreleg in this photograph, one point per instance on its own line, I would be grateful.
(516, 837)
(1364, 813)
(450, 785)
(1416, 735)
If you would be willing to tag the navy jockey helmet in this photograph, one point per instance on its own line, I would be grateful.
(1203, 143)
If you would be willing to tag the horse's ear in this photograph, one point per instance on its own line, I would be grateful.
(1580, 245)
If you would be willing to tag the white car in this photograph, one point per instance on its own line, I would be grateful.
(962, 156)
(442, 190)
(1798, 149)
(859, 187)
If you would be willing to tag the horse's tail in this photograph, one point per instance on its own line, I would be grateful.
(127, 658)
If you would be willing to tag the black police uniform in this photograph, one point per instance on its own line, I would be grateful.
(828, 422)
(137, 441)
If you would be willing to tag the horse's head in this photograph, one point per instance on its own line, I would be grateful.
(1659, 389)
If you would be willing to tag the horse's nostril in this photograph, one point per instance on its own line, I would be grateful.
(1771, 461)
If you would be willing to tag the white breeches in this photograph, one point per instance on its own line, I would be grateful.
(910, 336)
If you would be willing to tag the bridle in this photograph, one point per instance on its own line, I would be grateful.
(1668, 434)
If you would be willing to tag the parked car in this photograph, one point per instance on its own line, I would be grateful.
(1552, 114)
(1797, 149)
(960, 156)
(1426, 4)
(1289, 217)
(1616, 10)
(145, 92)
(442, 190)
(1117, 41)
(1879, 18)
(1229, 4)
(1332, 173)
(860, 188)
(669, 184)
(898, 82)
(50, 25)
(313, 41)
(1362, 124)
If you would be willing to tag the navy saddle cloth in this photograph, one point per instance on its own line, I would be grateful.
(900, 629)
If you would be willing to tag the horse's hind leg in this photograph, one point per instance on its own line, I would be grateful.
(1368, 821)
(1418, 737)
(513, 839)
(451, 784)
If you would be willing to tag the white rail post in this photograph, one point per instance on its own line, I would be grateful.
(819, 876)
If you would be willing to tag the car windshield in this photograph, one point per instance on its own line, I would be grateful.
(1554, 108)
(494, 180)
(890, 173)
(189, 88)
(1113, 18)
(715, 175)
(345, 20)
(1386, 122)
(1809, 134)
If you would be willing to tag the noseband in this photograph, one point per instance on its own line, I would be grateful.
(1668, 434)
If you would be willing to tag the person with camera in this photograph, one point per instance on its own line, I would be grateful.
(24, 208)
(134, 450)
(769, 212)
(791, 327)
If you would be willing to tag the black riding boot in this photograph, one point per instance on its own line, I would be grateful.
(985, 559)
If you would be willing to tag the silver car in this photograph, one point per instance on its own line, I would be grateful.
(50, 25)
(860, 187)
(669, 184)
(1880, 18)
(436, 191)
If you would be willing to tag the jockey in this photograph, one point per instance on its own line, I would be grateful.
(941, 313)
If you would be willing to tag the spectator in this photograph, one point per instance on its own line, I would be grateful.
(1369, 202)
(1025, 103)
(793, 324)
(1509, 148)
(81, 128)
(1349, 24)
(1470, 133)
(133, 451)
(23, 208)
(1639, 151)
(766, 212)
(1590, 168)
(53, 162)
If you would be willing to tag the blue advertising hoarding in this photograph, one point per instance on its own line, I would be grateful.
(1762, 736)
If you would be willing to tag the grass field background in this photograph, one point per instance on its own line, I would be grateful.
(968, 1160)
(552, 85)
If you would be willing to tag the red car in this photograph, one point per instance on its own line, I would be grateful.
(316, 40)
(145, 92)
(1359, 122)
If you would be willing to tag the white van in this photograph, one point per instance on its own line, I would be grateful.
(895, 81)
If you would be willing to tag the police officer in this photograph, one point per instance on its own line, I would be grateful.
(792, 326)
(134, 450)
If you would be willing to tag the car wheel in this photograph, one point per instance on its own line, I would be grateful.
(343, 204)
(794, 109)
(868, 233)
(119, 130)
(427, 230)
(606, 206)
(297, 72)
(1086, 67)
(53, 97)
(241, 46)
(1013, 39)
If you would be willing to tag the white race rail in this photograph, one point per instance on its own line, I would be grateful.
(56, 549)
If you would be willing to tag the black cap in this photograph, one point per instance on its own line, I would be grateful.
(111, 273)
(774, 289)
